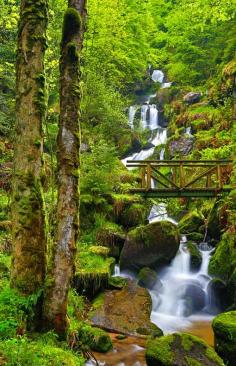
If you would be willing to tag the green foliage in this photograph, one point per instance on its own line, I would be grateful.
(16, 312)
(44, 351)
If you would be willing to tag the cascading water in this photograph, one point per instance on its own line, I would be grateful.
(132, 112)
(185, 297)
(144, 110)
(153, 117)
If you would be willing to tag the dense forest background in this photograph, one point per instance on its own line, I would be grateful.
(194, 43)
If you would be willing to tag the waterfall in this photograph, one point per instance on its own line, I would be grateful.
(132, 112)
(158, 76)
(144, 110)
(153, 117)
(162, 154)
(185, 293)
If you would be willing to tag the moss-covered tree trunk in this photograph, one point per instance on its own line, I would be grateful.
(55, 306)
(29, 243)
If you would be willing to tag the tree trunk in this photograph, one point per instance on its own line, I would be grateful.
(59, 278)
(29, 242)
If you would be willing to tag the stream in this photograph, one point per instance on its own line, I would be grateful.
(181, 298)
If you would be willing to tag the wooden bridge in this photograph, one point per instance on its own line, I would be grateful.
(183, 178)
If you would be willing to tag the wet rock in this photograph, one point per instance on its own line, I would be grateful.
(196, 296)
(195, 257)
(181, 350)
(224, 327)
(125, 311)
(181, 146)
(192, 97)
(217, 291)
(147, 278)
(150, 245)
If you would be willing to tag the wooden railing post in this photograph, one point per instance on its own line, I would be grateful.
(208, 183)
(181, 175)
(219, 176)
(143, 177)
(149, 177)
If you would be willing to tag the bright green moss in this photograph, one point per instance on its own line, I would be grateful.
(160, 349)
(224, 326)
(192, 362)
(71, 24)
(45, 351)
(97, 339)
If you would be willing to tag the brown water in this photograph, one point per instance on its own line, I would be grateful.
(126, 352)
(202, 329)
(131, 350)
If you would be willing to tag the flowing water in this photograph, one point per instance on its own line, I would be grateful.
(184, 299)
(184, 302)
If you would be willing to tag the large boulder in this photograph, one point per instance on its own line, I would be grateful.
(150, 245)
(125, 311)
(192, 97)
(195, 295)
(224, 326)
(181, 350)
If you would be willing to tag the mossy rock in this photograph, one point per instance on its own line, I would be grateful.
(224, 326)
(112, 239)
(126, 311)
(192, 222)
(134, 215)
(231, 289)
(147, 278)
(180, 349)
(117, 282)
(92, 270)
(96, 339)
(223, 261)
(195, 256)
(195, 237)
(99, 250)
(150, 245)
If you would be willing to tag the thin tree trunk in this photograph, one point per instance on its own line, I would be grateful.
(29, 242)
(59, 278)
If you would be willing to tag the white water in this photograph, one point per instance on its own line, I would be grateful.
(159, 139)
(132, 112)
(158, 76)
(144, 110)
(174, 308)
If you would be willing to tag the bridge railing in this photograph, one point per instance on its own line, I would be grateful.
(183, 177)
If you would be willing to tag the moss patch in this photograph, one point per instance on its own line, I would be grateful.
(172, 349)
(97, 339)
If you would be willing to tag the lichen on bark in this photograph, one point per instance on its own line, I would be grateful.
(63, 258)
(29, 242)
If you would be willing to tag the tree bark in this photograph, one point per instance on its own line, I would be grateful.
(29, 242)
(59, 278)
